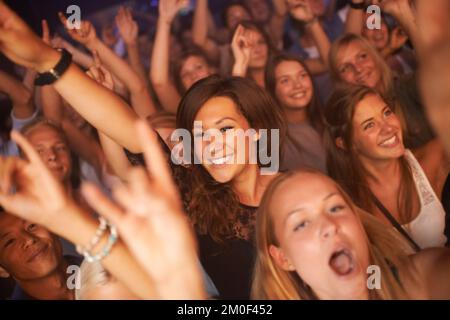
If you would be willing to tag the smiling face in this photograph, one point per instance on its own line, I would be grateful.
(293, 86)
(377, 132)
(319, 237)
(260, 10)
(27, 251)
(53, 150)
(194, 69)
(224, 158)
(357, 66)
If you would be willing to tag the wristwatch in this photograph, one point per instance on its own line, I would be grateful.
(357, 6)
(56, 72)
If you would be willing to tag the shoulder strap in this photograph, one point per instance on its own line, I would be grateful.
(395, 223)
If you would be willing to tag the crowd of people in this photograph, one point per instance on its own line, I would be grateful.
(122, 175)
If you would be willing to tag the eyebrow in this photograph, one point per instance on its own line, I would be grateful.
(301, 209)
(223, 119)
(4, 235)
(370, 119)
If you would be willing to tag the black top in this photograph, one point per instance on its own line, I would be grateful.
(230, 265)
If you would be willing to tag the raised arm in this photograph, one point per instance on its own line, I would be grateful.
(434, 64)
(20, 96)
(139, 94)
(128, 29)
(277, 22)
(301, 11)
(200, 30)
(100, 107)
(355, 19)
(160, 60)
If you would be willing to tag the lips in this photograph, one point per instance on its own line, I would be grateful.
(222, 160)
(342, 262)
(391, 142)
(299, 95)
(37, 252)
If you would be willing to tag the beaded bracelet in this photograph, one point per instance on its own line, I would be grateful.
(96, 238)
(113, 237)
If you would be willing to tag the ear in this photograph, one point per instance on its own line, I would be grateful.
(4, 273)
(340, 143)
(280, 259)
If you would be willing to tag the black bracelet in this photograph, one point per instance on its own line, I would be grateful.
(357, 6)
(56, 72)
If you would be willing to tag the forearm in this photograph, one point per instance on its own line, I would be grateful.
(115, 156)
(135, 61)
(355, 19)
(321, 40)
(21, 97)
(199, 27)
(102, 108)
(116, 65)
(159, 71)
(79, 227)
(52, 104)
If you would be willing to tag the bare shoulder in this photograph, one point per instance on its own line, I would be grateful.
(427, 275)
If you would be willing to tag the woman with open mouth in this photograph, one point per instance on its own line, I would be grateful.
(366, 155)
(314, 243)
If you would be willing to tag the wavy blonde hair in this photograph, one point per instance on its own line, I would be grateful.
(386, 250)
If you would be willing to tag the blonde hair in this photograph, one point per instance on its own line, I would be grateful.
(91, 275)
(386, 75)
(386, 250)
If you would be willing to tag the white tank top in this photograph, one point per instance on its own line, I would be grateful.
(427, 229)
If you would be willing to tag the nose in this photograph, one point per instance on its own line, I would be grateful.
(51, 155)
(298, 84)
(328, 227)
(358, 68)
(29, 240)
(386, 127)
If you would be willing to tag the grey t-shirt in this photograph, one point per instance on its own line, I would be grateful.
(303, 148)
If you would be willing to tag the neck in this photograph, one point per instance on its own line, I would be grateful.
(246, 185)
(258, 76)
(296, 115)
(51, 287)
(380, 171)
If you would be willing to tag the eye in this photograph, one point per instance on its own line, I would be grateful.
(363, 56)
(61, 148)
(301, 225)
(40, 151)
(344, 69)
(9, 242)
(337, 208)
(225, 129)
(32, 227)
(284, 81)
(369, 125)
(388, 112)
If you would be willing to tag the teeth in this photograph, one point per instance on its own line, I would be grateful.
(389, 142)
(299, 95)
(222, 160)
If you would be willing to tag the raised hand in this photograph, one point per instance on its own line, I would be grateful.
(152, 223)
(168, 9)
(85, 35)
(300, 10)
(242, 44)
(128, 28)
(38, 196)
(433, 19)
(100, 73)
(393, 7)
(21, 45)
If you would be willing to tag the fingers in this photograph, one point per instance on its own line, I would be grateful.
(27, 149)
(101, 204)
(63, 20)
(45, 32)
(157, 165)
